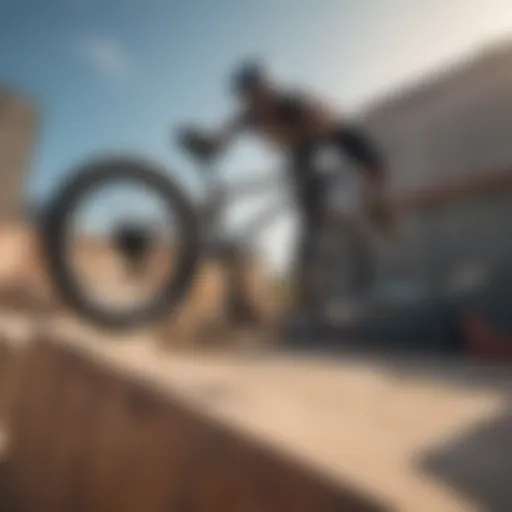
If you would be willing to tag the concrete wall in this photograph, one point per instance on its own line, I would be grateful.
(18, 131)
(446, 248)
(454, 126)
(451, 125)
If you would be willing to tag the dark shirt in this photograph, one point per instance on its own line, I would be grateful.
(287, 109)
(290, 111)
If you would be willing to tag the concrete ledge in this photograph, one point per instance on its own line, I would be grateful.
(102, 426)
(87, 436)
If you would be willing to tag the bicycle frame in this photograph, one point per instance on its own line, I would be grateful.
(220, 194)
(355, 271)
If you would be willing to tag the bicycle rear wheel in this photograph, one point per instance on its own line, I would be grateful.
(57, 237)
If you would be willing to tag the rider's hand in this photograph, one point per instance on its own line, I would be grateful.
(198, 143)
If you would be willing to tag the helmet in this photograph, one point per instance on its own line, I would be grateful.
(248, 76)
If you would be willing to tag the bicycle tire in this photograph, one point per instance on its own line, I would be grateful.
(55, 236)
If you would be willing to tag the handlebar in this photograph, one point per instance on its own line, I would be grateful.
(199, 145)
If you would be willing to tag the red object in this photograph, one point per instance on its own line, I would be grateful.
(484, 342)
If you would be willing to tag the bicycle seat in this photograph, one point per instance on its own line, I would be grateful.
(197, 144)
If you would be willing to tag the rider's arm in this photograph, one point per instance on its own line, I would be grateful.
(358, 145)
(363, 151)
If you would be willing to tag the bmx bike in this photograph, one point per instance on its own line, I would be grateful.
(199, 234)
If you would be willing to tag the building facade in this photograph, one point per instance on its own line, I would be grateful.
(448, 140)
(18, 133)
(454, 124)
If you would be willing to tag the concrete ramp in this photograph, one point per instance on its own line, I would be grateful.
(107, 427)
(89, 437)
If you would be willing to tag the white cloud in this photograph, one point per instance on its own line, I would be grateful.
(106, 55)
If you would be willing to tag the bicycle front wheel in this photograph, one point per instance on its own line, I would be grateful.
(92, 245)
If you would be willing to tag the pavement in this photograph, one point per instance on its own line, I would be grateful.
(425, 434)
(421, 434)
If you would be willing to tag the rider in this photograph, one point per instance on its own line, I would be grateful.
(297, 124)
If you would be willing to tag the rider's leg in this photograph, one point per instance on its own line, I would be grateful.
(358, 145)
(310, 206)
(306, 299)
(238, 301)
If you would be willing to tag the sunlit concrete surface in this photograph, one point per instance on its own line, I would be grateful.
(419, 434)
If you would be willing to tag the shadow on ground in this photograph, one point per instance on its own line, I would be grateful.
(477, 463)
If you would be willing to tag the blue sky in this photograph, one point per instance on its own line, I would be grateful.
(118, 74)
